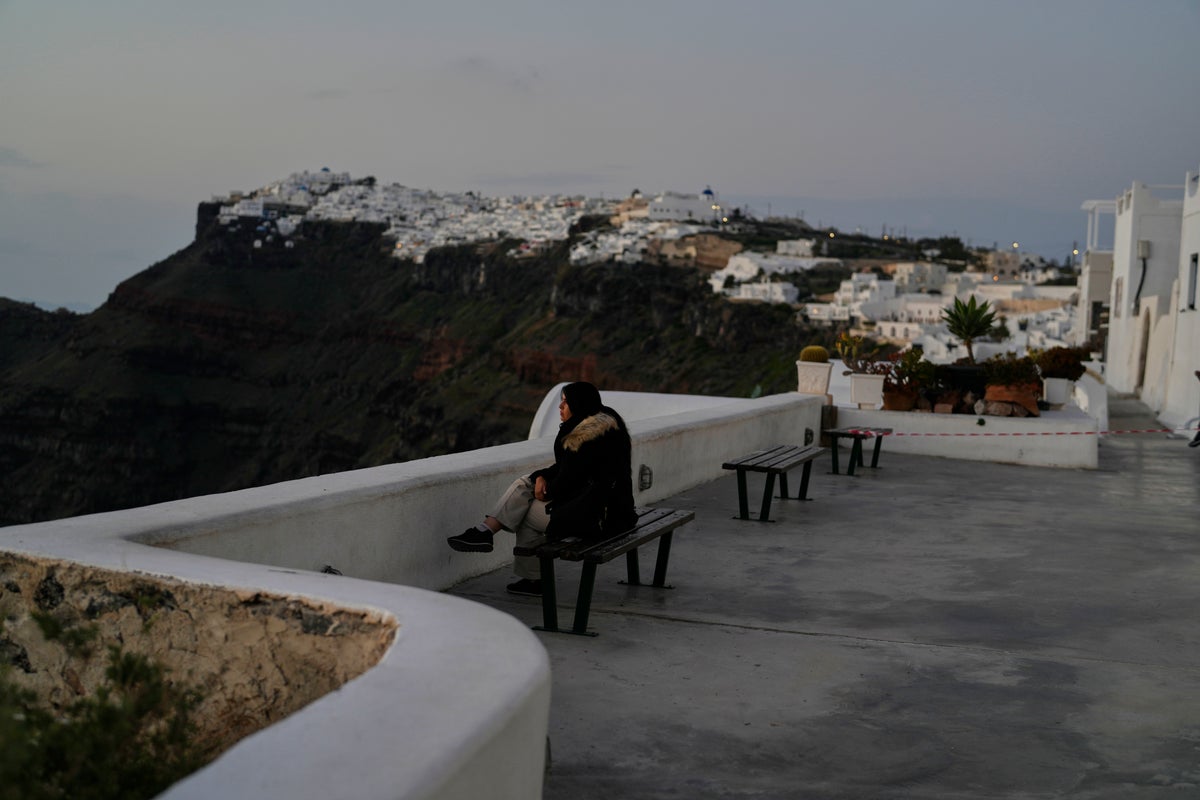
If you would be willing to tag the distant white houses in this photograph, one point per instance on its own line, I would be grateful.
(749, 266)
(1150, 280)
(628, 242)
(1035, 316)
(765, 291)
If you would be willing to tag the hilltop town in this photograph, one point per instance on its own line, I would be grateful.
(897, 300)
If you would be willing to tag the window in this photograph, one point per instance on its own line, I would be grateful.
(1191, 282)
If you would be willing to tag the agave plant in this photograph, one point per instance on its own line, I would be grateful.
(969, 321)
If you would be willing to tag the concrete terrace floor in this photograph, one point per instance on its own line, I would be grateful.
(932, 629)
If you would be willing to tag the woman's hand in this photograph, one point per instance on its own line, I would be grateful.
(539, 488)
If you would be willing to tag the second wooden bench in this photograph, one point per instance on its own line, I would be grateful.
(775, 461)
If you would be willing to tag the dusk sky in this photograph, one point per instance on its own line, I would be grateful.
(989, 120)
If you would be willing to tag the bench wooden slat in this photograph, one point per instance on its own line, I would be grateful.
(859, 432)
(756, 457)
(571, 548)
(775, 460)
(606, 551)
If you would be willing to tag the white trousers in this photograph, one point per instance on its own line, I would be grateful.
(521, 513)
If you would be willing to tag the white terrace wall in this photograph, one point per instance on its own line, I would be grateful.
(390, 523)
(458, 707)
(1064, 438)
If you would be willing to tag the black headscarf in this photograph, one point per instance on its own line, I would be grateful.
(582, 398)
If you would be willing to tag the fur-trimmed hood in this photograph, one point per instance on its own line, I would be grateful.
(590, 429)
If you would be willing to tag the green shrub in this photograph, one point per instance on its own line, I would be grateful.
(1009, 369)
(1061, 362)
(131, 739)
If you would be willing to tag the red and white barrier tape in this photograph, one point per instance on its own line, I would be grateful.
(871, 434)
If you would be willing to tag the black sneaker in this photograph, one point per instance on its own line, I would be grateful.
(472, 540)
(526, 587)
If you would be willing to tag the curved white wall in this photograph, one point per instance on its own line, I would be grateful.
(458, 707)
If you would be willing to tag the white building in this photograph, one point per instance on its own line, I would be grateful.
(919, 276)
(802, 248)
(1146, 252)
(847, 306)
(826, 314)
(765, 291)
(1147, 287)
(864, 287)
(703, 207)
(1095, 277)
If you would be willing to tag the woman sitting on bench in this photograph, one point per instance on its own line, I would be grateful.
(587, 492)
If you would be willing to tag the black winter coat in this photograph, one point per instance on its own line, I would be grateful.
(590, 485)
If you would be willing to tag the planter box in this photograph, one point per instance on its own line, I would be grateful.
(1057, 391)
(866, 391)
(813, 377)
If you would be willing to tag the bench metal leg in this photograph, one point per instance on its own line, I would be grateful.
(833, 442)
(549, 597)
(743, 504)
(633, 575)
(783, 490)
(804, 481)
(660, 564)
(875, 455)
(583, 604)
(764, 514)
(855, 455)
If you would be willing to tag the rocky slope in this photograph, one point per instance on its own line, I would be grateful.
(229, 365)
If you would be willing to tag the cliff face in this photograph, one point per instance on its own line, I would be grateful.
(230, 365)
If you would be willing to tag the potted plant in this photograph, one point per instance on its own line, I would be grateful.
(866, 374)
(1012, 379)
(812, 369)
(968, 322)
(1060, 367)
(908, 375)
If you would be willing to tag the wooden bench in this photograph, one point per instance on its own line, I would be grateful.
(774, 461)
(653, 523)
(856, 449)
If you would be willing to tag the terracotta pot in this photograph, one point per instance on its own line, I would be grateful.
(899, 399)
(1026, 394)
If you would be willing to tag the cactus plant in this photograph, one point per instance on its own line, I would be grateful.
(814, 353)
